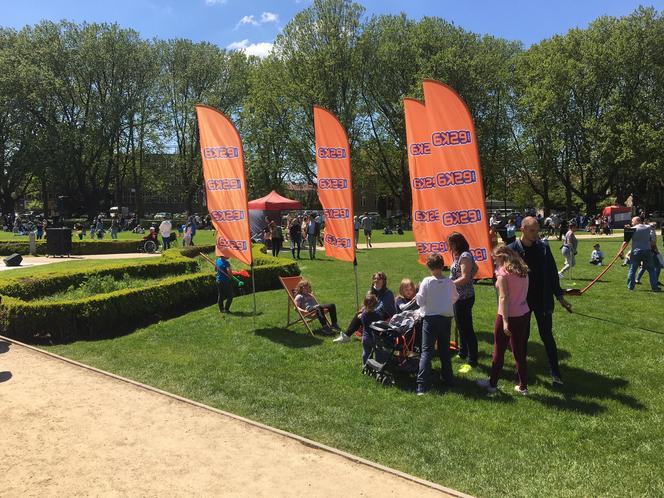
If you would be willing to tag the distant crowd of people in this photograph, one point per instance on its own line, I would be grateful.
(306, 231)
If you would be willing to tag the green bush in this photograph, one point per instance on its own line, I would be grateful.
(93, 285)
(24, 317)
(105, 315)
(79, 247)
(193, 251)
(27, 288)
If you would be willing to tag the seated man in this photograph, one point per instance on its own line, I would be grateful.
(306, 303)
(152, 236)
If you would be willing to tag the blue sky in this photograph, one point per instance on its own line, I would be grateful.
(252, 25)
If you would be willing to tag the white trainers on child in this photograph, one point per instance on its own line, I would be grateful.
(342, 338)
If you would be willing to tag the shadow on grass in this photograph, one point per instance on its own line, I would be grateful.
(244, 313)
(582, 388)
(289, 338)
(462, 386)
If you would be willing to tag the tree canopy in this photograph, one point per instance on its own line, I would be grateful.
(572, 122)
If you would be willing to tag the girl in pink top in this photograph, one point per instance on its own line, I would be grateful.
(513, 319)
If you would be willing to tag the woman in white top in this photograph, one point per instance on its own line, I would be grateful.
(436, 298)
(569, 249)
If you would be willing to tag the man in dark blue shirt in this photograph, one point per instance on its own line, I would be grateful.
(543, 285)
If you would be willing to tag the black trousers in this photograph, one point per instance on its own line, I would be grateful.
(296, 242)
(545, 327)
(354, 326)
(276, 246)
(224, 293)
(332, 309)
(463, 314)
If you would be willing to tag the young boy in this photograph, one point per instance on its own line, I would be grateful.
(224, 284)
(369, 315)
(597, 256)
(436, 298)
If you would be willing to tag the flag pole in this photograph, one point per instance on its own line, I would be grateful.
(253, 289)
(357, 299)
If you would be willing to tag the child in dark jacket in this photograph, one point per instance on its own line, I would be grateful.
(369, 315)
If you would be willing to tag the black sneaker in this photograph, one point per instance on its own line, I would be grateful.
(326, 331)
(557, 381)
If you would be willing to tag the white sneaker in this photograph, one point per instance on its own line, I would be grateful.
(523, 391)
(342, 338)
(486, 384)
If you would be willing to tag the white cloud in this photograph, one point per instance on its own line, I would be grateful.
(269, 17)
(261, 49)
(247, 20)
(210, 3)
(265, 18)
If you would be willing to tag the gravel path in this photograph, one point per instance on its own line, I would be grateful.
(67, 430)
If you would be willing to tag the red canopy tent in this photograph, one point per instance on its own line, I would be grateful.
(274, 202)
(619, 216)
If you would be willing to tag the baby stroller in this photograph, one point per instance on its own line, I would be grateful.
(394, 350)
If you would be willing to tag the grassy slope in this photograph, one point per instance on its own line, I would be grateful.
(601, 435)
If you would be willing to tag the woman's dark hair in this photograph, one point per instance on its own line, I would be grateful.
(457, 243)
(381, 275)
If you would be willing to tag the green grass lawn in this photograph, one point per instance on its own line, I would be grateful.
(600, 435)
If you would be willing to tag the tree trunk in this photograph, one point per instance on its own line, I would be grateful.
(8, 204)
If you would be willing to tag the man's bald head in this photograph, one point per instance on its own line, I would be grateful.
(529, 222)
(530, 230)
(636, 220)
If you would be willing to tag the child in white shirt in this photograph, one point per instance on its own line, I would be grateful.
(597, 256)
(436, 299)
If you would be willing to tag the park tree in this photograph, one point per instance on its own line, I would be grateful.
(196, 73)
(267, 122)
(322, 65)
(80, 100)
(587, 100)
(18, 133)
(390, 72)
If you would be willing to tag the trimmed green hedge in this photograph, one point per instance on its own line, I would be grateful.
(28, 288)
(107, 315)
(193, 251)
(79, 247)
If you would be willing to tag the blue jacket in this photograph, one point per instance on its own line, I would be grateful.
(540, 298)
(385, 306)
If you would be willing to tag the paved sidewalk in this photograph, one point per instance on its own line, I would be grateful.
(67, 430)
